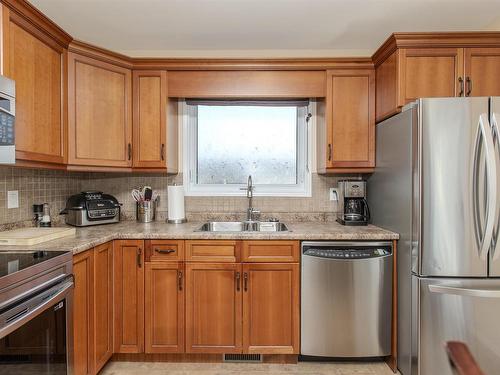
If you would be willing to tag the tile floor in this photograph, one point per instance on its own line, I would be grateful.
(306, 368)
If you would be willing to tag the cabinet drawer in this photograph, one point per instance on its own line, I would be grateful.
(270, 251)
(164, 250)
(213, 251)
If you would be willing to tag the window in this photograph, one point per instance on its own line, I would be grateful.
(226, 141)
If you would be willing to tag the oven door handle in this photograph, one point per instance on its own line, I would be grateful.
(23, 313)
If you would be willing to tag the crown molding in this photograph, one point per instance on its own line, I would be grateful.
(40, 21)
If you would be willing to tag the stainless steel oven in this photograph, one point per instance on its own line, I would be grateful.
(36, 332)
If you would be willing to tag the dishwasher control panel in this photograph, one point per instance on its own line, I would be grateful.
(338, 251)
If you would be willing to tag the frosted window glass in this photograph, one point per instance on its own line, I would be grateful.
(237, 141)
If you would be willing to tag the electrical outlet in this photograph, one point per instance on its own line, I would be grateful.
(334, 194)
(13, 199)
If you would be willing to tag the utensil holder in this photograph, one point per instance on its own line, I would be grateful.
(146, 211)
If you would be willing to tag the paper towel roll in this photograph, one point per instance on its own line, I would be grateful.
(175, 199)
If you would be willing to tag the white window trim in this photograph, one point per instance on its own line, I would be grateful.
(189, 146)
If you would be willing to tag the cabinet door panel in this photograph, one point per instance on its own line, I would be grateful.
(103, 304)
(482, 66)
(129, 296)
(99, 107)
(150, 106)
(82, 313)
(37, 69)
(213, 308)
(430, 72)
(164, 308)
(351, 119)
(271, 309)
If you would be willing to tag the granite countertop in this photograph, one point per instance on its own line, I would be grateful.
(89, 237)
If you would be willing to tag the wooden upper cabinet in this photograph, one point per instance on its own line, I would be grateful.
(150, 119)
(37, 64)
(128, 268)
(100, 113)
(164, 304)
(350, 121)
(213, 308)
(412, 65)
(482, 71)
(271, 308)
(430, 72)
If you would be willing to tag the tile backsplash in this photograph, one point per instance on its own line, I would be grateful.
(317, 207)
(35, 186)
(54, 187)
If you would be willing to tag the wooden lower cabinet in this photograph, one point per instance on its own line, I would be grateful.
(128, 268)
(103, 305)
(271, 308)
(93, 309)
(213, 308)
(82, 313)
(164, 306)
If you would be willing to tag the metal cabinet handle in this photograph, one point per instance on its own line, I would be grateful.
(245, 281)
(461, 82)
(468, 81)
(179, 280)
(129, 151)
(162, 151)
(458, 291)
(329, 152)
(165, 251)
(139, 257)
(238, 279)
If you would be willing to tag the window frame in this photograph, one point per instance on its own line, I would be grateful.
(190, 148)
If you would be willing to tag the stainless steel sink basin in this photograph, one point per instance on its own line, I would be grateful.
(243, 226)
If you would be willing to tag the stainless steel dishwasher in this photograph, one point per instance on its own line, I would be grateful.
(346, 299)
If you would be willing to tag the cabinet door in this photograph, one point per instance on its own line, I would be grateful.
(164, 304)
(271, 308)
(432, 72)
(150, 107)
(213, 308)
(351, 119)
(37, 65)
(103, 305)
(128, 271)
(482, 71)
(82, 313)
(99, 113)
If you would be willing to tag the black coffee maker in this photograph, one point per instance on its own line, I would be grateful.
(353, 206)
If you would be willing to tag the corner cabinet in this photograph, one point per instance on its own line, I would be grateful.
(36, 60)
(99, 113)
(346, 137)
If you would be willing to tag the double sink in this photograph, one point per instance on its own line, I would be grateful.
(243, 226)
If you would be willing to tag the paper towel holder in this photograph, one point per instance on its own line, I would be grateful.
(176, 221)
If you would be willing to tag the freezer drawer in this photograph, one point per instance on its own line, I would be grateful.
(346, 304)
(456, 309)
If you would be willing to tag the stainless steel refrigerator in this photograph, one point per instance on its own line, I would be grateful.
(437, 183)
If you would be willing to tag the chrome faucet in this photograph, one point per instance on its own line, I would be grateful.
(251, 212)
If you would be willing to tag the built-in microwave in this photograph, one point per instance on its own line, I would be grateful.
(7, 121)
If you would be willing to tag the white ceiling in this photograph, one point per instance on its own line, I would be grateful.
(260, 28)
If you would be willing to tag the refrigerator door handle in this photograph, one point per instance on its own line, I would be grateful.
(491, 172)
(465, 292)
(494, 126)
